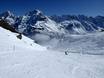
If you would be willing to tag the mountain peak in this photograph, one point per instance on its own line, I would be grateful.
(34, 12)
(6, 14)
(37, 11)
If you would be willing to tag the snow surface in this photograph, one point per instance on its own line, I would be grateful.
(49, 25)
(9, 42)
(76, 29)
(25, 59)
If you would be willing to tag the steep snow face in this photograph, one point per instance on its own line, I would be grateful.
(74, 27)
(49, 25)
(9, 42)
(36, 20)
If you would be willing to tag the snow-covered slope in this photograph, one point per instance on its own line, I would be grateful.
(9, 42)
(25, 59)
(73, 27)
(47, 64)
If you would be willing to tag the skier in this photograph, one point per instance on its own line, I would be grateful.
(66, 52)
(19, 36)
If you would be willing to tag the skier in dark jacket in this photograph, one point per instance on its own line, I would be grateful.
(66, 52)
(19, 36)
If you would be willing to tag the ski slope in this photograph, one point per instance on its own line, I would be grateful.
(25, 59)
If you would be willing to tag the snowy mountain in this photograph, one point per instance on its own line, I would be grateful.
(9, 17)
(79, 24)
(42, 28)
(36, 22)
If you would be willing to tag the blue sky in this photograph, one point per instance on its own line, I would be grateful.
(51, 7)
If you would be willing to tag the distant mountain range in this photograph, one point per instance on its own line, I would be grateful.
(40, 27)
